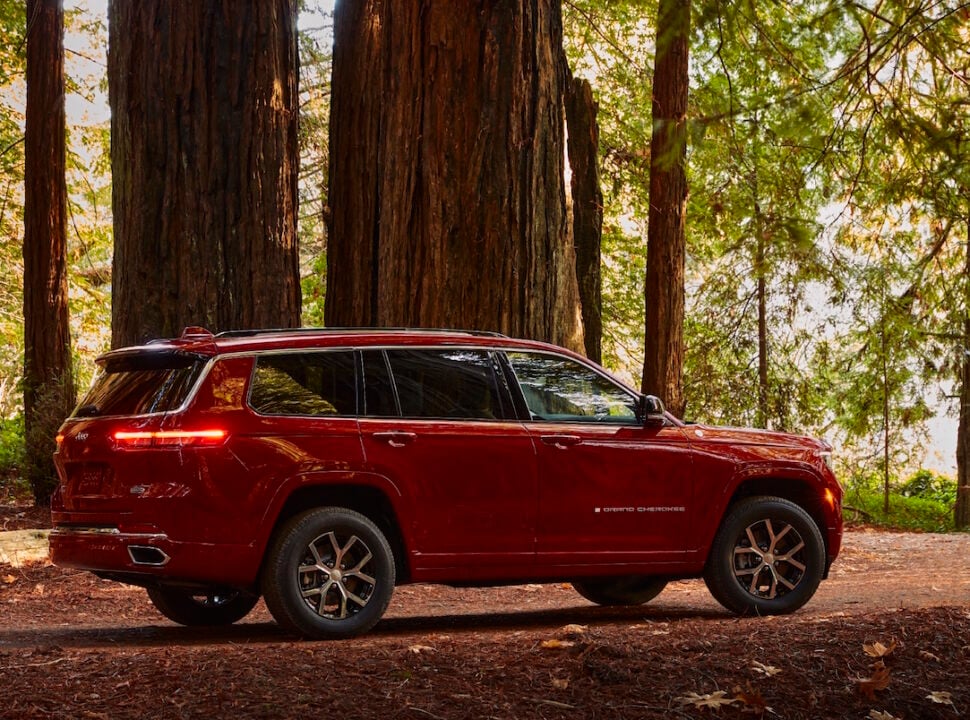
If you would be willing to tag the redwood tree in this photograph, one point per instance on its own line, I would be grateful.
(583, 147)
(48, 386)
(447, 194)
(204, 165)
(664, 287)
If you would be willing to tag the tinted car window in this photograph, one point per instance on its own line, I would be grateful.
(560, 389)
(446, 384)
(139, 384)
(321, 383)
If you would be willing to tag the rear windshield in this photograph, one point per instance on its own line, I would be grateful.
(151, 382)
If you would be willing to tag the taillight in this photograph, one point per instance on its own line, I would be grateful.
(168, 438)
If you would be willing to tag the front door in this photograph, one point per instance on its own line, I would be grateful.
(611, 491)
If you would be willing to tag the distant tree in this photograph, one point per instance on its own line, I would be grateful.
(961, 513)
(48, 384)
(204, 165)
(666, 229)
(447, 194)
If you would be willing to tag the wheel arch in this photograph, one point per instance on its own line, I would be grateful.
(799, 490)
(364, 495)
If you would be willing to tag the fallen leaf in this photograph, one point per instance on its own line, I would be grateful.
(878, 681)
(574, 629)
(752, 700)
(560, 683)
(418, 649)
(876, 715)
(769, 670)
(9, 579)
(556, 644)
(714, 700)
(927, 655)
(878, 650)
(39, 589)
(940, 697)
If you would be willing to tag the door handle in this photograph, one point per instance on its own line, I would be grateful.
(561, 441)
(395, 438)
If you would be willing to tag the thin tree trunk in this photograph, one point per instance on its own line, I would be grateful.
(666, 232)
(885, 414)
(48, 383)
(961, 511)
(762, 328)
(204, 165)
(446, 177)
(587, 202)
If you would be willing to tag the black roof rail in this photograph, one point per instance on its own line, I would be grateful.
(274, 331)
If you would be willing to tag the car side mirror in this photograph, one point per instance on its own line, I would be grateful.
(652, 411)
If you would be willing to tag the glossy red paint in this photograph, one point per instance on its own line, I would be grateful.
(461, 500)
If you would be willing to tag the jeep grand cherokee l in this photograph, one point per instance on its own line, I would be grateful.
(320, 468)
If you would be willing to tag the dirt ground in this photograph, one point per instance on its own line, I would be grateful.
(887, 636)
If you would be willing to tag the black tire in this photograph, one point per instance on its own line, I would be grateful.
(767, 558)
(325, 542)
(625, 590)
(198, 608)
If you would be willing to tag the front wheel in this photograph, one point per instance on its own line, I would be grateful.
(201, 608)
(626, 590)
(767, 558)
(329, 573)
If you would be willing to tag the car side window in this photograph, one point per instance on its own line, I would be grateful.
(379, 397)
(317, 383)
(446, 384)
(559, 389)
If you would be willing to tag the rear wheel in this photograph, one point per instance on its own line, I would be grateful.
(200, 608)
(768, 558)
(329, 573)
(626, 590)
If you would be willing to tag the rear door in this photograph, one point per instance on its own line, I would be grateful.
(611, 491)
(440, 424)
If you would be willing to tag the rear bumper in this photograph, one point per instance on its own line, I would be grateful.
(152, 558)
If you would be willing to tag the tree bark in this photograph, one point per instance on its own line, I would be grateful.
(587, 200)
(666, 231)
(204, 165)
(447, 195)
(48, 383)
(961, 511)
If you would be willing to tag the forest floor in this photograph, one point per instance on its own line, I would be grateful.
(886, 636)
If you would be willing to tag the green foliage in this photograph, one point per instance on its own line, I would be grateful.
(12, 448)
(316, 30)
(930, 486)
(925, 514)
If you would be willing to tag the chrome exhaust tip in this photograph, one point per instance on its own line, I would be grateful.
(147, 555)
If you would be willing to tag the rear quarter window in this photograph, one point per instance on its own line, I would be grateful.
(141, 384)
(319, 383)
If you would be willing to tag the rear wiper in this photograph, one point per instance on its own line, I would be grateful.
(89, 410)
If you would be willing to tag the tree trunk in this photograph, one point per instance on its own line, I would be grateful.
(583, 148)
(48, 384)
(762, 324)
(666, 232)
(446, 178)
(961, 512)
(204, 165)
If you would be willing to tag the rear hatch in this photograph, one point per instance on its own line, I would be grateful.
(133, 395)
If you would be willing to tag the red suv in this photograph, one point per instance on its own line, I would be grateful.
(320, 468)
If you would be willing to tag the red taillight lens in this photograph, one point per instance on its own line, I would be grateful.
(169, 438)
